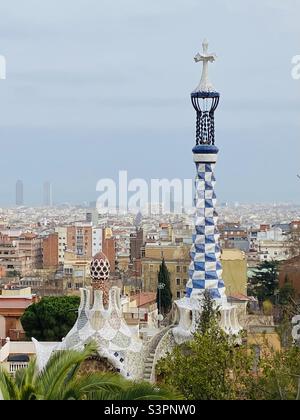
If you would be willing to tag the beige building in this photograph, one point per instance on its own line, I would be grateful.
(22, 255)
(30, 245)
(178, 259)
(76, 272)
(13, 303)
(141, 309)
(123, 262)
(234, 262)
(12, 260)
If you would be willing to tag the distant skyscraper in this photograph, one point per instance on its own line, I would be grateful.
(47, 194)
(19, 193)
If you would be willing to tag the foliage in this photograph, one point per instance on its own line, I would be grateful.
(209, 313)
(286, 294)
(213, 367)
(278, 377)
(284, 330)
(265, 282)
(287, 309)
(61, 380)
(210, 367)
(51, 318)
(164, 294)
(267, 307)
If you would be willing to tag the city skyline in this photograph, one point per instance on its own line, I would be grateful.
(63, 118)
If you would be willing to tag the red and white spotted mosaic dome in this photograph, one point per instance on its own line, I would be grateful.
(100, 267)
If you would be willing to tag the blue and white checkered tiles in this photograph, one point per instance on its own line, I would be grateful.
(205, 269)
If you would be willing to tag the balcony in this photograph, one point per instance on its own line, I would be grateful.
(15, 366)
(17, 362)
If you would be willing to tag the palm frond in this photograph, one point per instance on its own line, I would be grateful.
(8, 387)
(60, 370)
(104, 384)
(26, 376)
(146, 391)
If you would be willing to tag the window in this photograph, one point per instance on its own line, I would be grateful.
(178, 282)
(178, 269)
(184, 268)
(151, 267)
(178, 295)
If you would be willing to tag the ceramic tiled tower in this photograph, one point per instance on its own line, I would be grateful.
(205, 273)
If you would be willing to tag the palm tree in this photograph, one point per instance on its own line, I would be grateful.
(61, 380)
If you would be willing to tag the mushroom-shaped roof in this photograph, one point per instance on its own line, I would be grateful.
(100, 267)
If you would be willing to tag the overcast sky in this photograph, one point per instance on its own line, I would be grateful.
(97, 86)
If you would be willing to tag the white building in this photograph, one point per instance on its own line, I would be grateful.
(62, 243)
(273, 250)
(97, 240)
(274, 234)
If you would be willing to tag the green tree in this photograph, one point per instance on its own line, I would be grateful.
(265, 282)
(51, 318)
(279, 376)
(61, 380)
(164, 294)
(209, 367)
(209, 313)
(286, 294)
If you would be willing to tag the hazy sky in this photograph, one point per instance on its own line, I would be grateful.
(97, 86)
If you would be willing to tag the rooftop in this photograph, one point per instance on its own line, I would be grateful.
(144, 298)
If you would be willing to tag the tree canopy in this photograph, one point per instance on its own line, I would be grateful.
(206, 368)
(51, 318)
(265, 283)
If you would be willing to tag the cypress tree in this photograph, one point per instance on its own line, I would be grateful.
(164, 294)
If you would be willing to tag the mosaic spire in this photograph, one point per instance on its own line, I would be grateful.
(100, 270)
(205, 271)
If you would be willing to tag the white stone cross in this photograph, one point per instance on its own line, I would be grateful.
(205, 57)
